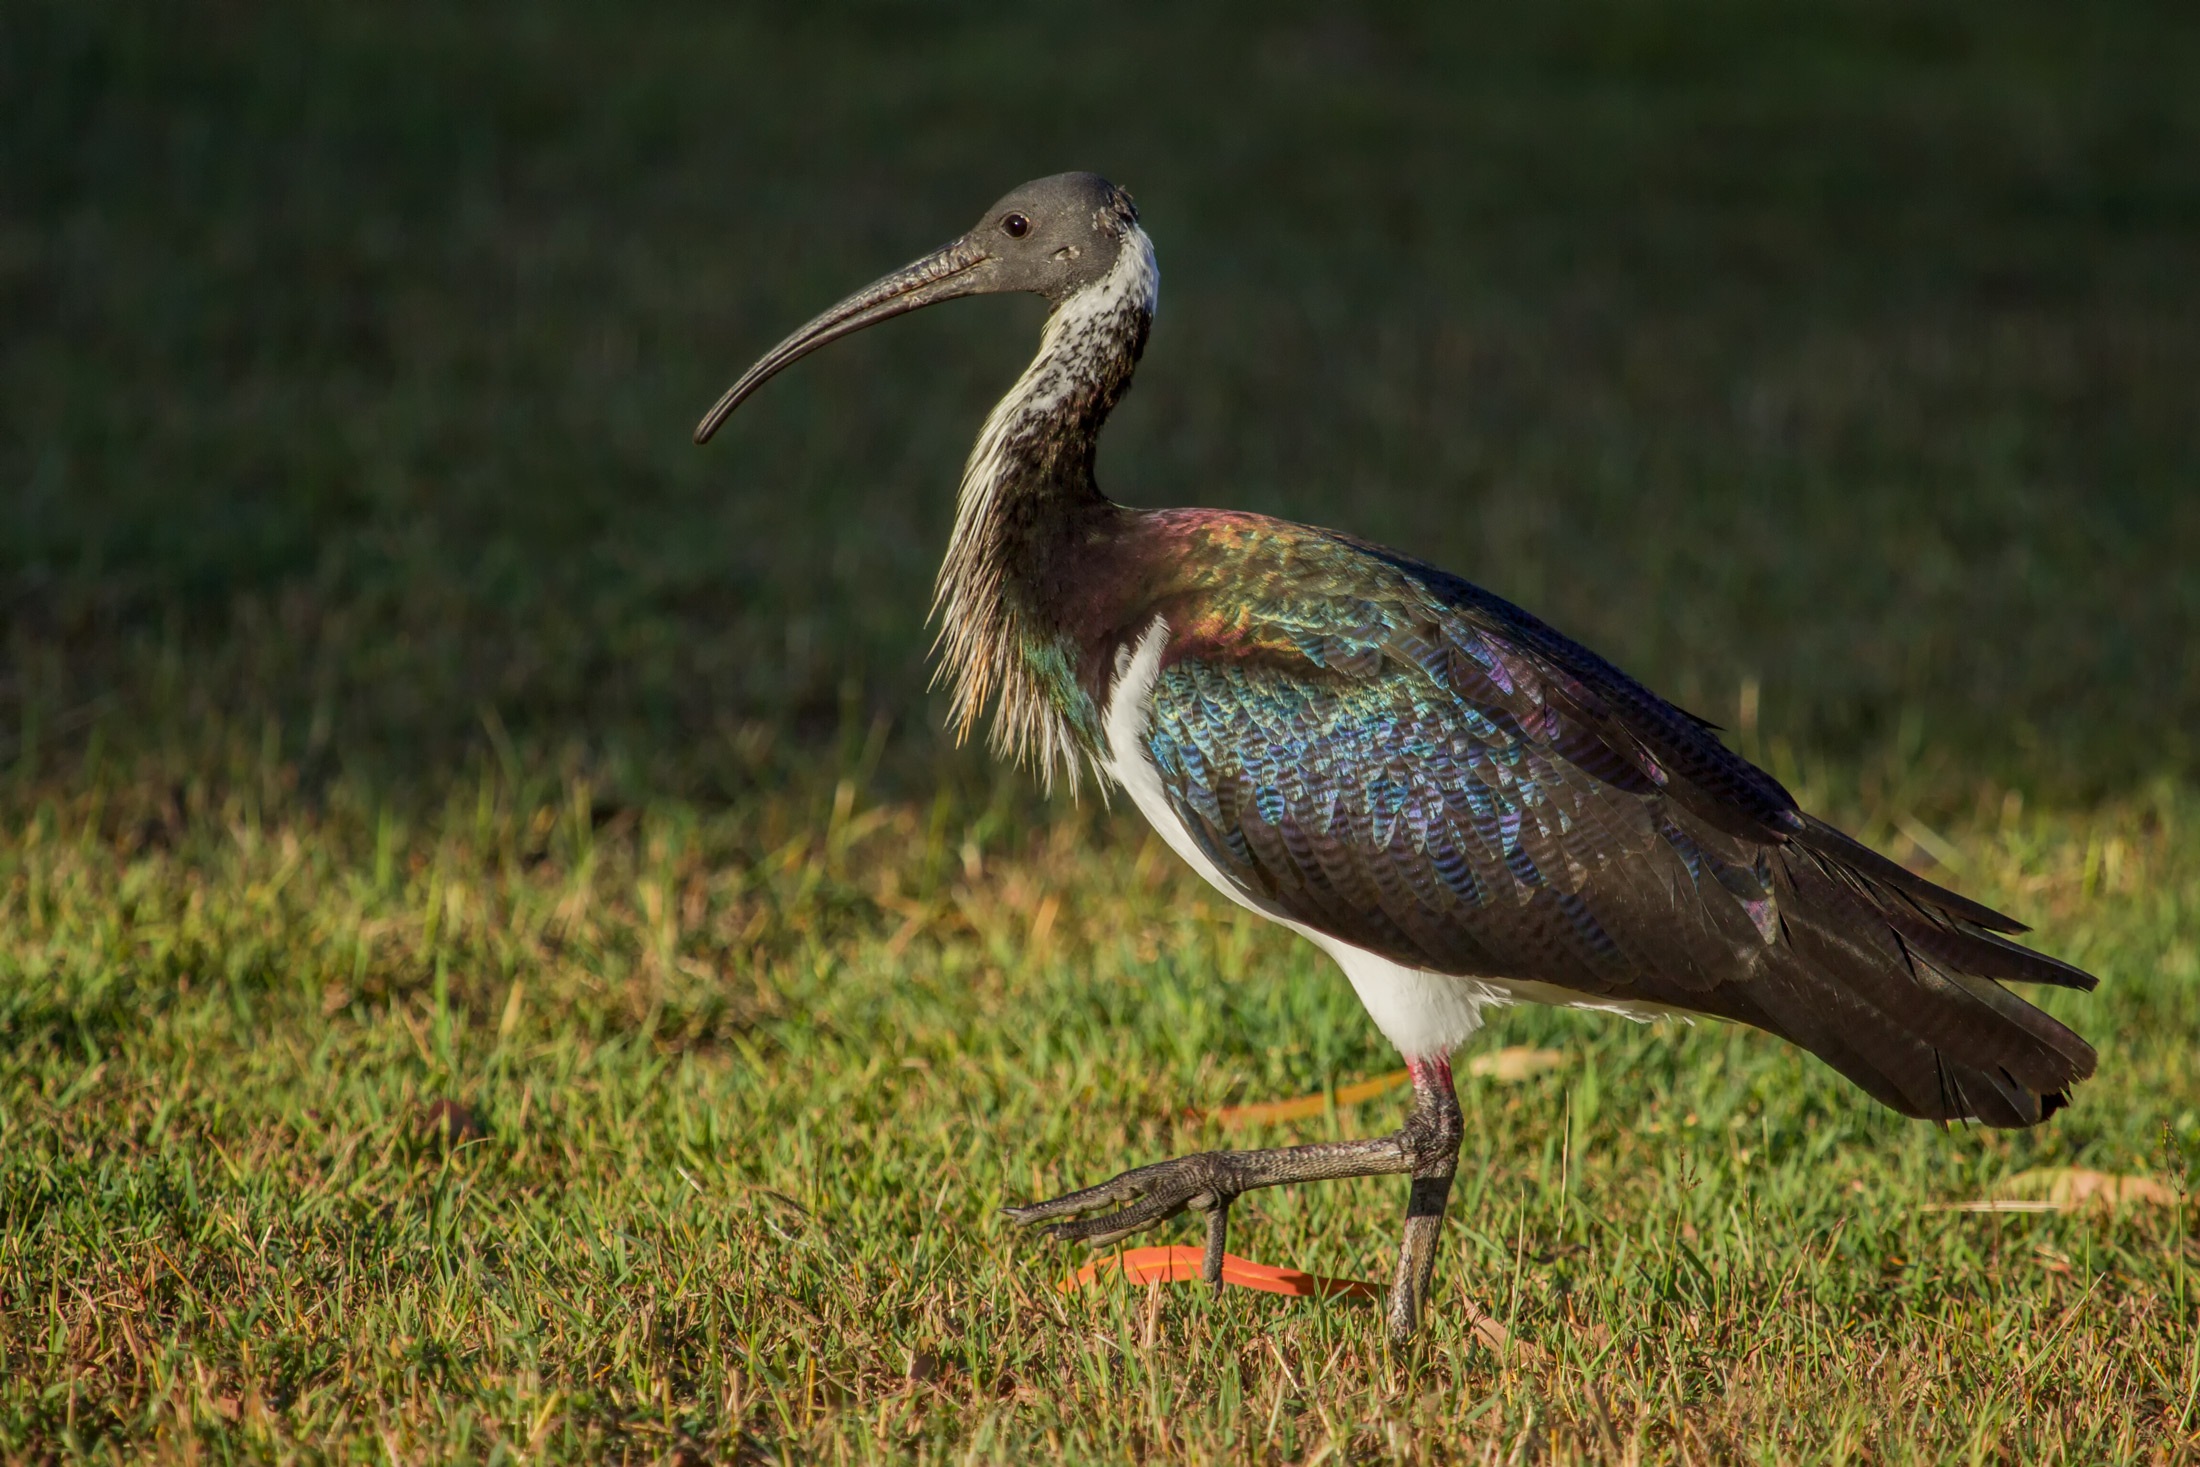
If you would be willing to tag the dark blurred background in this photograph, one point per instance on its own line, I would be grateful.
(1847, 351)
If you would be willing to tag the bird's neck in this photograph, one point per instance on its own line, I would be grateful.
(1029, 506)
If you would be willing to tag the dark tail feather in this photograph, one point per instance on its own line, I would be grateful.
(1944, 924)
(1868, 865)
(1894, 983)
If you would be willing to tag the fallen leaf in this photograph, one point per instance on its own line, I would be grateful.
(1182, 1265)
(2069, 1186)
(1490, 1332)
(1514, 1063)
(2066, 1189)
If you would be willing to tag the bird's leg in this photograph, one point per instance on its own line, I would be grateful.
(1435, 1162)
(1425, 1147)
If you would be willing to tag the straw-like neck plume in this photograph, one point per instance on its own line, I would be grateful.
(1026, 490)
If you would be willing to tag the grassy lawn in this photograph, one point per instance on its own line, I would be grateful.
(498, 961)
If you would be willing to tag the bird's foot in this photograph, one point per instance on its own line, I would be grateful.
(1206, 1182)
(1426, 1146)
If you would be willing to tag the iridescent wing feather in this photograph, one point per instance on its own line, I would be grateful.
(1403, 762)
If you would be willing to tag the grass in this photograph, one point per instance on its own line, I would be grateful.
(397, 711)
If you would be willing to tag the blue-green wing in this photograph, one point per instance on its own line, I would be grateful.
(1399, 761)
(1401, 813)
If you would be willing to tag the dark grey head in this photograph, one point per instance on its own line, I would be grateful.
(1051, 237)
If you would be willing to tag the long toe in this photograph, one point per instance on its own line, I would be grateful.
(1141, 1197)
(1206, 1181)
(1111, 1193)
(1108, 1227)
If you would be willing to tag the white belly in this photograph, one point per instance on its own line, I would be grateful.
(1424, 1013)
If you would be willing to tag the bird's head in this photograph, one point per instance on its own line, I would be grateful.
(1052, 237)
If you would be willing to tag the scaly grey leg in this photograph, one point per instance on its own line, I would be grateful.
(1425, 1203)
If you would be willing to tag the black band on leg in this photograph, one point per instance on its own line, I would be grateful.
(1428, 1197)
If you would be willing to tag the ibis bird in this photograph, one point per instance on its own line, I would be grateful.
(1458, 804)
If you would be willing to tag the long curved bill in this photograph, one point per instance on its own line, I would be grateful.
(947, 272)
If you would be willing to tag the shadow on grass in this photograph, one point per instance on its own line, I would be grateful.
(351, 359)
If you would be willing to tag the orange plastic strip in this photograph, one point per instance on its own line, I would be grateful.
(1182, 1265)
(1298, 1109)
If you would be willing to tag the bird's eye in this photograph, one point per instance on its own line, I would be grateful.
(1015, 226)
